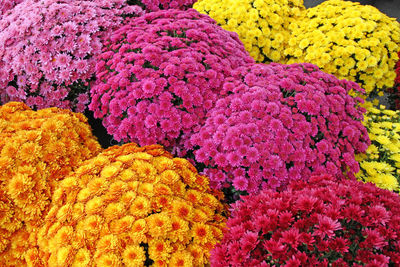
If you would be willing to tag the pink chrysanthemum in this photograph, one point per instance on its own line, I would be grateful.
(159, 75)
(54, 42)
(156, 5)
(282, 122)
(6, 5)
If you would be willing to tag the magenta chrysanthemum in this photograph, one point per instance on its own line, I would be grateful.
(316, 223)
(6, 5)
(156, 5)
(161, 73)
(280, 122)
(48, 49)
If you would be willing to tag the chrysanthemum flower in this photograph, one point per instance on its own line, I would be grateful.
(6, 5)
(344, 223)
(277, 123)
(121, 219)
(351, 41)
(156, 80)
(380, 164)
(48, 50)
(37, 149)
(263, 26)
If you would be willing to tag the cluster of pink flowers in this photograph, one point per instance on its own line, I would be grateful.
(48, 49)
(6, 5)
(156, 5)
(317, 223)
(159, 75)
(280, 123)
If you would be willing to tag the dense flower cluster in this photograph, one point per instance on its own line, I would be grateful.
(281, 122)
(6, 5)
(380, 164)
(48, 49)
(132, 206)
(159, 75)
(319, 223)
(36, 150)
(156, 5)
(349, 40)
(263, 26)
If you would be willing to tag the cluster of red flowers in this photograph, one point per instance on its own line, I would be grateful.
(280, 123)
(318, 223)
(159, 75)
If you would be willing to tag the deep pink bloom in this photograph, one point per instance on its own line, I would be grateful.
(286, 120)
(169, 64)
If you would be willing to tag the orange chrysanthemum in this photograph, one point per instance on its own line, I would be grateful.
(37, 149)
(139, 205)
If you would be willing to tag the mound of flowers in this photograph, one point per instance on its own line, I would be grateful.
(156, 5)
(316, 223)
(48, 50)
(132, 206)
(159, 75)
(280, 123)
(36, 150)
(263, 26)
(349, 40)
(380, 164)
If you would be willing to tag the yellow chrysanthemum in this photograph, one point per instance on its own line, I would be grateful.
(344, 30)
(114, 213)
(379, 164)
(262, 26)
(134, 256)
(37, 149)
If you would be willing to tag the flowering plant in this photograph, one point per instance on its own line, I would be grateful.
(156, 5)
(349, 40)
(158, 76)
(278, 123)
(380, 164)
(6, 5)
(263, 26)
(316, 223)
(134, 206)
(36, 150)
(48, 49)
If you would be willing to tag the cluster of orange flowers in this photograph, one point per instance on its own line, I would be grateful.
(131, 206)
(37, 148)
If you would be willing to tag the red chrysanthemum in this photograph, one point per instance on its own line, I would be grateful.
(316, 223)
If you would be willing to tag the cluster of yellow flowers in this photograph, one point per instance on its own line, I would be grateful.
(261, 25)
(380, 164)
(37, 148)
(131, 206)
(351, 41)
